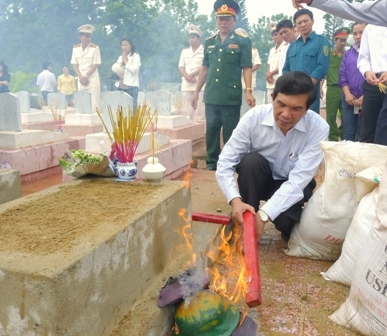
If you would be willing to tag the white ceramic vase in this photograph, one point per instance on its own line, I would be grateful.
(153, 171)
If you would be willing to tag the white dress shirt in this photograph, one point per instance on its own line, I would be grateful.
(374, 12)
(256, 60)
(46, 81)
(294, 157)
(132, 68)
(282, 59)
(273, 61)
(85, 59)
(373, 50)
(191, 61)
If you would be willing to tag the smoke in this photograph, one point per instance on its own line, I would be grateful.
(192, 282)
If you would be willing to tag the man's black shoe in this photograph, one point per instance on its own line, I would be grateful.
(211, 168)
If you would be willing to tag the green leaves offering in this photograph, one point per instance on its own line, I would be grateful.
(78, 163)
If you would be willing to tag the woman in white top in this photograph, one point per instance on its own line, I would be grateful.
(130, 63)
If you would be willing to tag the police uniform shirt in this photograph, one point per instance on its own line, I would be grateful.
(85, 59)
(274, 60)
(334, 67)
(256, 60)
(225, 61)
(311, 56)
(191, 61)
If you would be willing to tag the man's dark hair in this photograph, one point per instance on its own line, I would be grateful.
(296, 83)
(46, 64)
(300, 12)
(284, 24)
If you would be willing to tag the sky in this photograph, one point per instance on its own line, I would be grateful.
(258, 8)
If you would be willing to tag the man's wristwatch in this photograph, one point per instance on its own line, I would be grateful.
(264, 216)
(249, 89)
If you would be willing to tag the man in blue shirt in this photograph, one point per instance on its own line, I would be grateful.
(309, 53)
(275, 149)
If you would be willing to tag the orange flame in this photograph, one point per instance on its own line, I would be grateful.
(228, 272)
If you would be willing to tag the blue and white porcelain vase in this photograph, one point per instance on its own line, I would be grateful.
(124, 170)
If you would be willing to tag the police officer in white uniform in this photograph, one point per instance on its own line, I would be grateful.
(86, 59)
(191, 59)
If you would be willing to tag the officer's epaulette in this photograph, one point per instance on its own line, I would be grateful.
(77, 45)
(211, 36)
(93, 45)
(241, 34)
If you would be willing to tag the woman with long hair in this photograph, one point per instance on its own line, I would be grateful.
(130, 63)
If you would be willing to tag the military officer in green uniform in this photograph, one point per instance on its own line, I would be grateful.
(334, 91)
(225, 54)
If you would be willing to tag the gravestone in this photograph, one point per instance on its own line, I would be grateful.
(57, 100)
(82, 101)
(10, 115)
(24, 100)
(141, 99)
(36, 101)
(259, 97)
(114, 99)
(161, 100)
(259, 100)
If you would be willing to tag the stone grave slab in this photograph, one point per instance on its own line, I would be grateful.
(24, 99)
(57, 100)
(100, 143)
(114, 99)
(161, 100)
(82, 102)
(10, 116)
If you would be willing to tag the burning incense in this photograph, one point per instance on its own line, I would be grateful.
(128, 130)
(382, 88)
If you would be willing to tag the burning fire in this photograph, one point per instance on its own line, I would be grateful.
(228, 275)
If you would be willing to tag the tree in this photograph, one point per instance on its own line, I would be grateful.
(332, 24)
(243, 21)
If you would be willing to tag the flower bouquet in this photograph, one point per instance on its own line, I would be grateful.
(128, 130)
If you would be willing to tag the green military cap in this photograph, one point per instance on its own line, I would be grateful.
(226, 8)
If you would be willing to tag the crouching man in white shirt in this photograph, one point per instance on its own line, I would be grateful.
(275, 150)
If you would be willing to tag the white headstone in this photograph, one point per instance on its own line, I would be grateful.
(114, 99)
(161, 100)
(82, 102)
(36, 101)
(10, 115)
(24, 99)
(57, 100)
(141, 99)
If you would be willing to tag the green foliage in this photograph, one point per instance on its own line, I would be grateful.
(332, 23)
(34, 31)
(243, 21)
(22, 81)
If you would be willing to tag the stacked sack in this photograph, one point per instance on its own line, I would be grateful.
(365, 310)
(329, 213)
